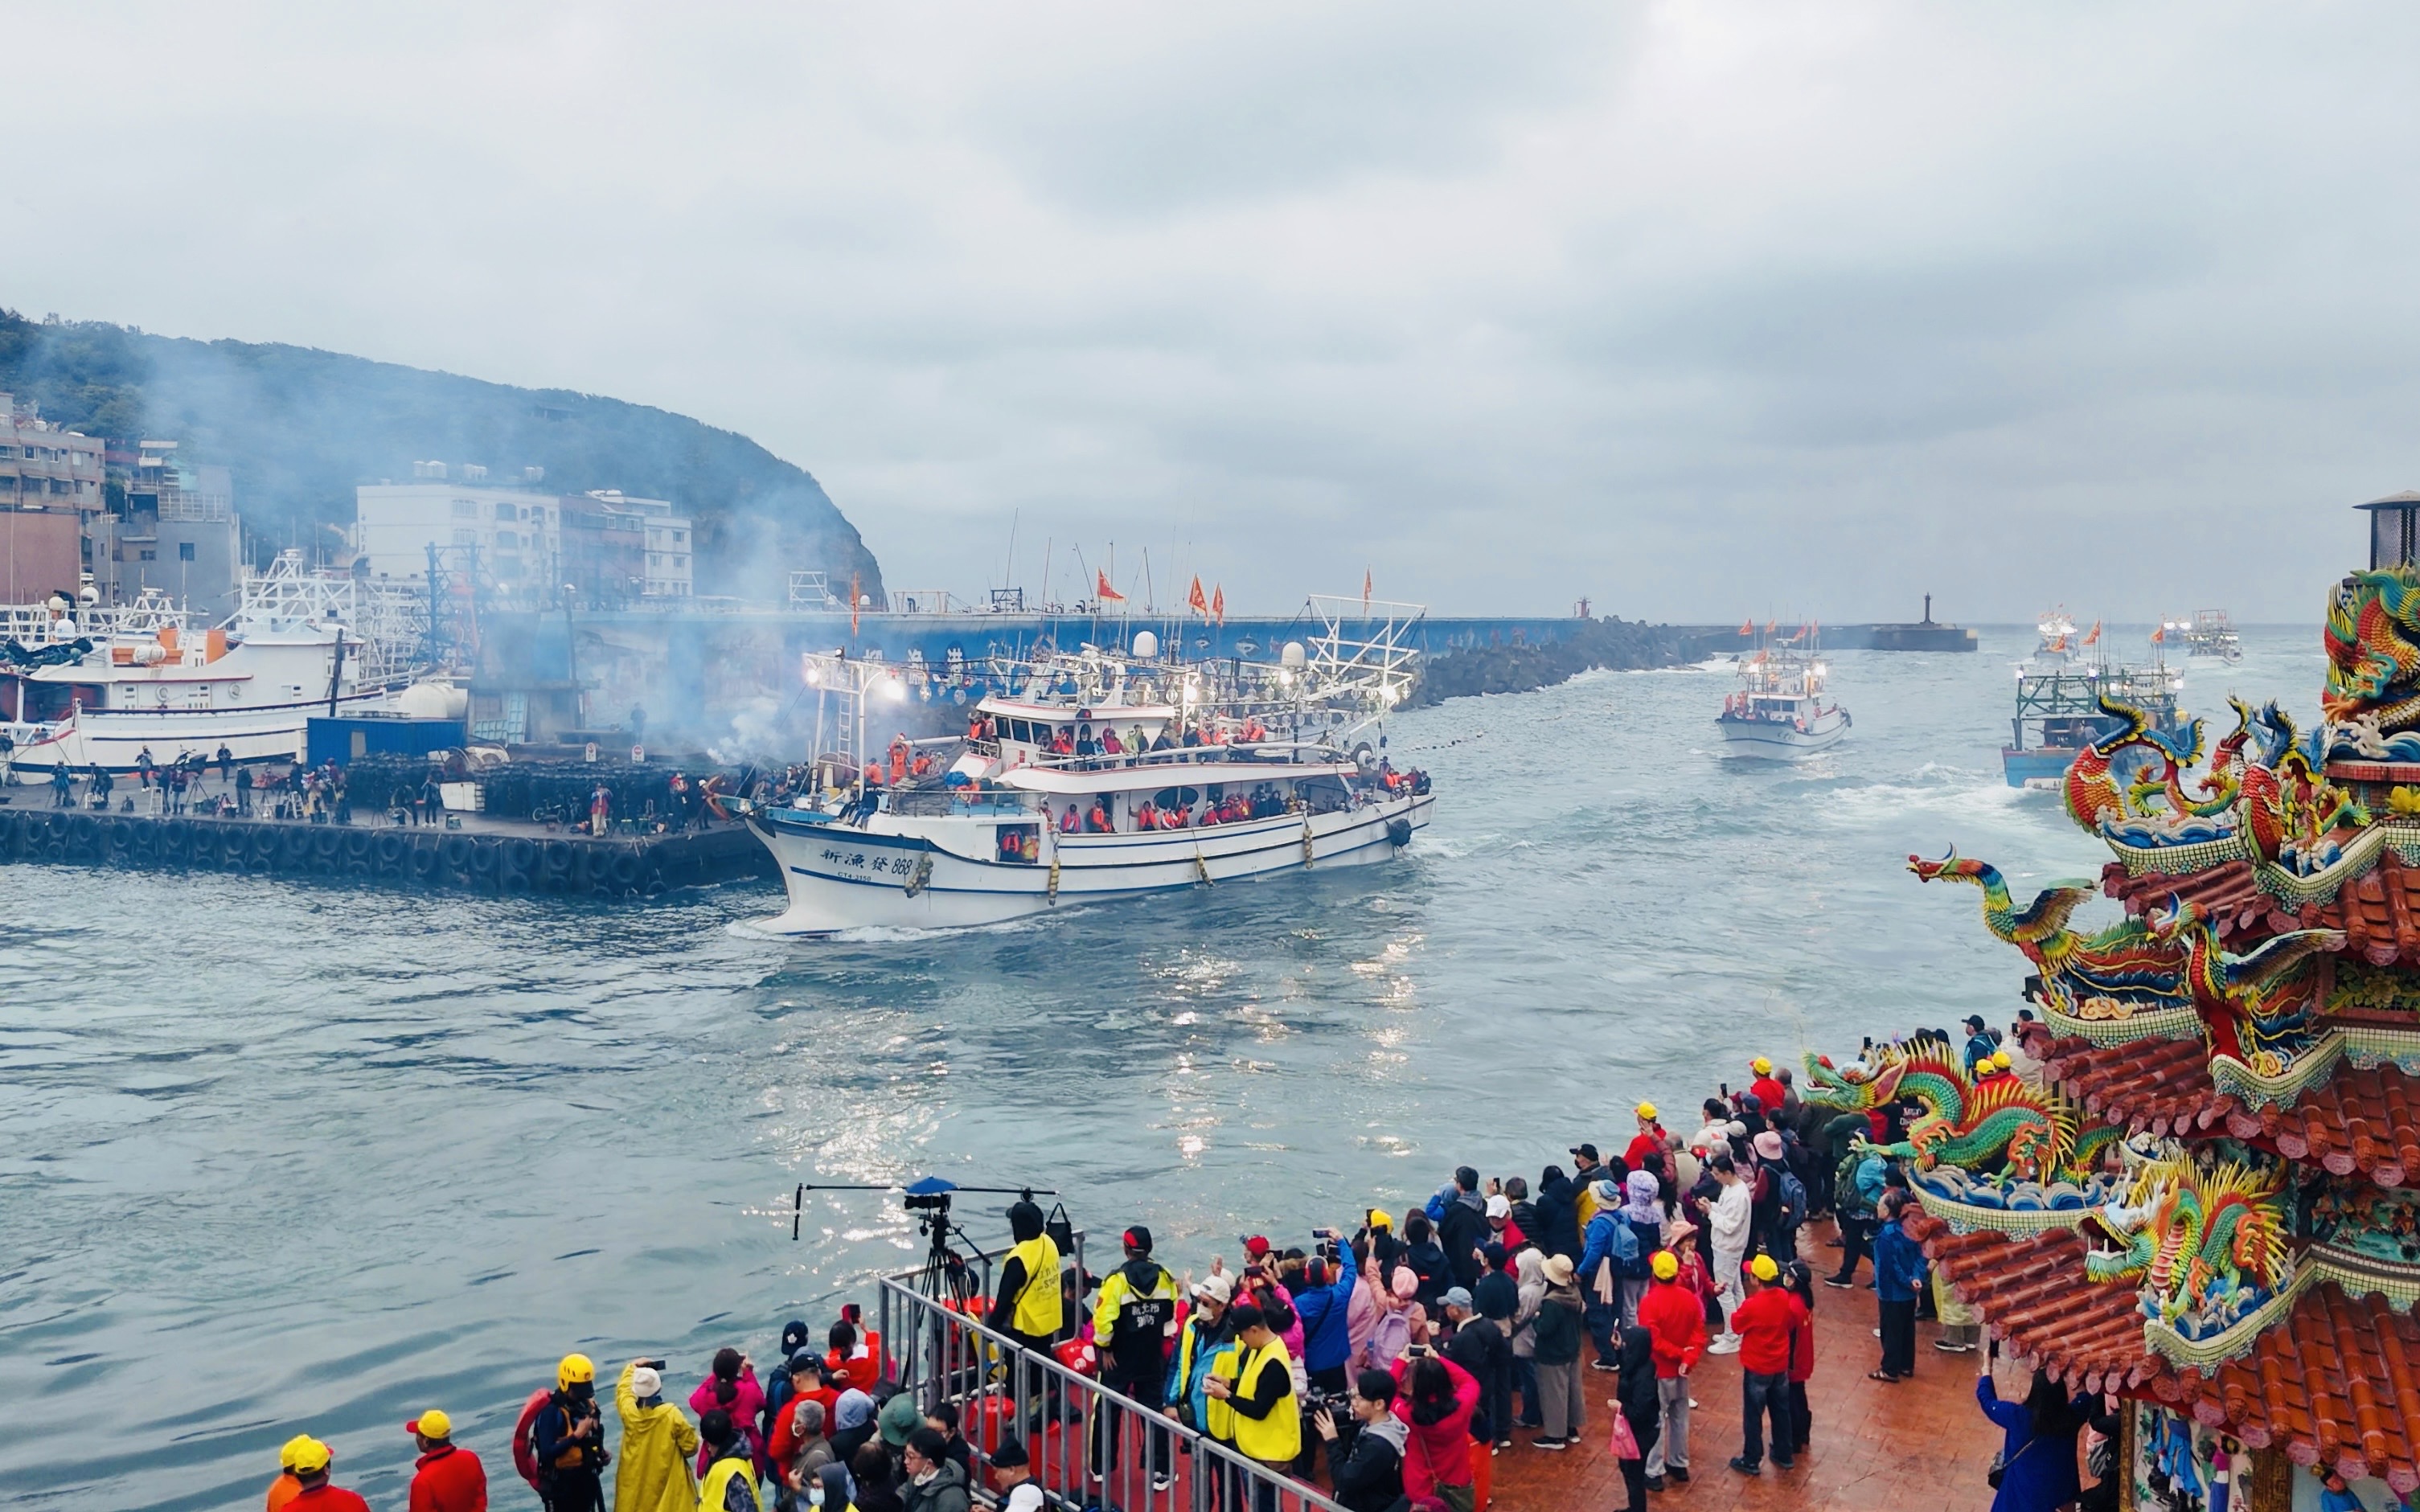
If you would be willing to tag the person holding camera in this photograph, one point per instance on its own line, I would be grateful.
(1365, 1456)
(1256, 1406)
(652, 1473)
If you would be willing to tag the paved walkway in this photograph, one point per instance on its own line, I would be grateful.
(1920, 1444)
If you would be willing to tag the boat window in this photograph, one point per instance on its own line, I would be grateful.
(1019, 844)
(1323, 795)
(1171, 797)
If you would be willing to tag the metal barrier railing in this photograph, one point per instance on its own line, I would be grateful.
(1086, 1444)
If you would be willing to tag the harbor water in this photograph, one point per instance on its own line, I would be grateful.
(278, 1157)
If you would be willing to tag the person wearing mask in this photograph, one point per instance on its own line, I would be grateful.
(314, 1463)
(944, 1420)
(1501, 1231)
(1012, 1472)
(1674, 1317)
(1559, 1216)
(444, 1478)
(1030, 1307)
(935, 1482)
(1529, 1292)
(1436, 1399)
(1899, 1275)
(1259, 1401)
(800, 1449)
(799, 1382)
(1588, 1169)
(1640, 1404)
(1556, 1355)
(729, 1484)
(1726, 1221)
(1485, 1355)
(569, 1439)
(1765, 1320)
(732, 1390)
(1131, 1324)
(1365, 1459)
(652, 1473)
(1644, 1212)
(1609, 1248)
(1199, 1344)
(1462, 1228)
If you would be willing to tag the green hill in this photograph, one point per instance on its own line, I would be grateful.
(299, 428)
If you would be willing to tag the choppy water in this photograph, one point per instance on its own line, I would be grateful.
(276, 1158)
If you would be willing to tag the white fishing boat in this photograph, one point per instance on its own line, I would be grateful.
(1107, 775)
(90, 686)
(1779, 714)
(2209, 633)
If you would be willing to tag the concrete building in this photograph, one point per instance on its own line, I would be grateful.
(51, 482)
(513, 534)
(667, 574)
(178, 531)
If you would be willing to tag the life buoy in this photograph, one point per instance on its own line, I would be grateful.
(525, 1437)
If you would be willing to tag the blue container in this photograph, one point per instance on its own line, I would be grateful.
(346, 736)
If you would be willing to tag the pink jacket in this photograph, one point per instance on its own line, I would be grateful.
(747, 1406)
(1436, 1453)
(1361, 1314)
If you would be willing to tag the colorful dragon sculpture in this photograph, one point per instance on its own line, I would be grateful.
(2206, 1241)
(1994, 1127)
(2127, 968)
(2373, 645)
(2098, 796)
(2259, 1005)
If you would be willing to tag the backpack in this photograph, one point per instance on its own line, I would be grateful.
(1793, 1199)
(1634, 1265)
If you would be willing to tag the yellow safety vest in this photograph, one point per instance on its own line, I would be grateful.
(1040, 1309)
(1219, 1421)
(1278, 1436)
(719, 1476)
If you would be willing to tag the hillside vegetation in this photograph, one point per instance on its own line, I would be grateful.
(300, 428)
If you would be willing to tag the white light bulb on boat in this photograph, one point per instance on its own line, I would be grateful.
(893, 689)
(815, 674)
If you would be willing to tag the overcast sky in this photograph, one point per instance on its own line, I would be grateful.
(1698, 310)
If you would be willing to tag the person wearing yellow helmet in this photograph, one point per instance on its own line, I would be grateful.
(569, 1439)
(1765, 1323)
(1647, 1147)
(444, 1479)
(314, 1462)
(286, 1486)
(1767, 1090)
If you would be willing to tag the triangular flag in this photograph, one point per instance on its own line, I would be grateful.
(1365, 589)
(1773, 626)
(1108, 594)
(852, 606)
(1746, 628)
(1218, 605)
(2093, 638)
(1194, 600)
(2159, 636)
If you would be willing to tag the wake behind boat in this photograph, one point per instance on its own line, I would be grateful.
(1778, 715)
(1107, 775)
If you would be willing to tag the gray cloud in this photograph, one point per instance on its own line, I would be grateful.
(1696, 310)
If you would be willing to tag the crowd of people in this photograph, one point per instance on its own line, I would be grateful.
(1388, 1362)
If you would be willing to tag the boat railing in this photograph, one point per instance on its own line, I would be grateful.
(1258, 752)
(947, 803)
(1000, 1386)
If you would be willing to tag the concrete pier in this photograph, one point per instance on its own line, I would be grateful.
(485, 856)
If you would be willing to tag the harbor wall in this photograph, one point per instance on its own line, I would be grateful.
(495, 860)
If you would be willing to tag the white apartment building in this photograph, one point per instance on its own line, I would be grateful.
(515, 533)
(43, 467)
(668, 573)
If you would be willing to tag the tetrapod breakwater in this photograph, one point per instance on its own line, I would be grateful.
(491, 856)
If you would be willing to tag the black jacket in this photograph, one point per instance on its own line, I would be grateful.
(1460, 1233)
(1497, 1296)
(1436, 1272)
(1558, 1210)
(1365, 1465)
(1637, 1391)
(1481, 1349)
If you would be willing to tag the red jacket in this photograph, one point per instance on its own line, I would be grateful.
(1675, 1317)
(1436, 1453)
(1802, 1339)
(1763, 1323)
(327, 1498)
(449, 1480)
(1646, 1152)
(1769, 1098)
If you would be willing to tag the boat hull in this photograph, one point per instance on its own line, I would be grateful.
(114, 739)
(2043, 766)
(1770, 740)
(942, 873)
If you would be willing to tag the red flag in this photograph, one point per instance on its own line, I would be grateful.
(2159, 636)
(2093, 638)
(1365, 589)
(1218, 605)
(1194, 600)
(1746, 628)
(852, 606)
(1108, 594)
(1773, 626)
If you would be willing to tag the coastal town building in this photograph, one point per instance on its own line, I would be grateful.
(606, 547)
(178, 531)
(51, 479)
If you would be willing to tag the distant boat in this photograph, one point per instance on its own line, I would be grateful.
(1926, 634)
(2059, 701)
(2211, 633)
(1778, 715)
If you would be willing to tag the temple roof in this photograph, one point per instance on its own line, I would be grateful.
(2357, 1120)
(2337, 1383)
(2226, 895)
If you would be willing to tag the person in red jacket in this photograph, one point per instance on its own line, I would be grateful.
(1770, 1094)
(1647, 1147)
(1800, 1283)
(1436, 1398)
(1765, 1323)
(312, 1461)
(1674, 1316)
(444, 1479)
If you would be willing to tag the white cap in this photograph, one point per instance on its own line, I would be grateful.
(644, 1381)
(1499, 1206)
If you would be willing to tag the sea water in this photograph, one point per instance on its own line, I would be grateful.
(279, 1158)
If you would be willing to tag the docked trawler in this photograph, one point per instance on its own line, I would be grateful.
(1778, 715)
(2059, 689)
(1080, 785)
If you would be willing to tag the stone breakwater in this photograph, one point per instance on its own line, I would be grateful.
(1611, 642)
